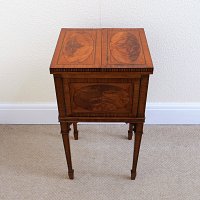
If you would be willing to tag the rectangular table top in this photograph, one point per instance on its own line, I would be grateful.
(106, 49)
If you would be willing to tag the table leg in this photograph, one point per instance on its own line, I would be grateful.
(75, 130)
(138, 137)
(130, 131)
(65, 135)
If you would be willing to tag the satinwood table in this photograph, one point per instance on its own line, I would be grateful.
(101, 75)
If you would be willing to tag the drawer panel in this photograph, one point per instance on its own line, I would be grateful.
(101, 97)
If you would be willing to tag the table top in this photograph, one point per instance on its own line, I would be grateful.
(106, 49)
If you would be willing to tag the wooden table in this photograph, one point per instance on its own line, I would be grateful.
(101, 75)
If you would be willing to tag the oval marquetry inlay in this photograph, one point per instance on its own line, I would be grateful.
(78, 47)
(124, 47)
(101, 98)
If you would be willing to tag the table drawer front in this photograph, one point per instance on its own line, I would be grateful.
(101, 97)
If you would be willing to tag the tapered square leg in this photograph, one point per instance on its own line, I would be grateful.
(138, 138)
(65, 135)
(75, 130)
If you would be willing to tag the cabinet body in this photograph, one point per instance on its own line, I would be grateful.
(101, 96)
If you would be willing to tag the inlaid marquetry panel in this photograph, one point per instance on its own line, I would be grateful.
(102, 50)
(124, 47)
(101, 97)
(78, 48)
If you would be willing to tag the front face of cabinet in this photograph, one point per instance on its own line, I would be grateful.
(101, 97)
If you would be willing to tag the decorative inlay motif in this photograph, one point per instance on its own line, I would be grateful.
(149, 70)
(72, 46)
(77, 47)
(125, 47)
(102, 98)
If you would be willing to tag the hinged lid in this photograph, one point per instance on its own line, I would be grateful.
(121, 49)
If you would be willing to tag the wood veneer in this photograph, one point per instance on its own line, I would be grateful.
(101, 75)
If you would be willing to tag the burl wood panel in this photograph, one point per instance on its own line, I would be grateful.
(101, 97)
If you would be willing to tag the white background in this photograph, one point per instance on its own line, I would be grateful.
(29, 32)
(30, 28)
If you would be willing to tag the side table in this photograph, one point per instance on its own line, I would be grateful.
(101, 75)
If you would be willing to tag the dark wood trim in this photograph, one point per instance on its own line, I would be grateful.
(57, 70)
(101, 119)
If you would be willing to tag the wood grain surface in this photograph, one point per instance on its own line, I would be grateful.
(102, 50)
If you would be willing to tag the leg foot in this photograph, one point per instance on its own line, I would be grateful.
(75, 130)
(71, 174)
(133, 175)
